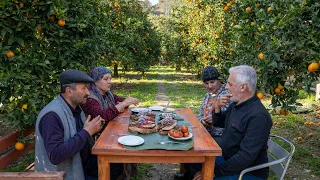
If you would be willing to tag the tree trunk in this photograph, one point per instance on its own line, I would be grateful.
(115, 70)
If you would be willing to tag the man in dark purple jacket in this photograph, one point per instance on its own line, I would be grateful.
(63, 134)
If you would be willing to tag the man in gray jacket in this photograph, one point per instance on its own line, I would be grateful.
(63, 133)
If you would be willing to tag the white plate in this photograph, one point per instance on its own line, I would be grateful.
(156, 108)
(137, 110)
(131, 140)
(168, 110)
(182, 138)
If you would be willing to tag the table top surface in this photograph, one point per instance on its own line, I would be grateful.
(204, 144)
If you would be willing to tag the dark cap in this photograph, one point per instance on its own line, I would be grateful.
(74, 76)
(210, 73)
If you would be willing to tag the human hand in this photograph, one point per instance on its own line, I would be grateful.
(197, 176)
(223, 100)
(207, 122)
(93, 126)
(130, 100)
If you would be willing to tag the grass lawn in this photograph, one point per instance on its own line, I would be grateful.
(185, 90)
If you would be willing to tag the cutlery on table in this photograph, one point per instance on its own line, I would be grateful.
(165, 108)
(169, 142)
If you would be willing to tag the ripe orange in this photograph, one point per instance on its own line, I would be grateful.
(286, 113)
(260, 95)
(282, 111)
(61, 22)
(310, 134)
(226, 8)
(21, 5)
(9, 54)
(277, 91)
(248, 9)
(291, 72)
(280, 86)
(313, 67)
(311, 123)
(39, 29)
(261, 56)
(269, 9)
(19, 146)
(52, 17)
(299, 138)
(229, 4)
(282, 93)
(24, 107)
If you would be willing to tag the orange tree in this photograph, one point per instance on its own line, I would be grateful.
(40, 39)
(134, 42)
(279, 39)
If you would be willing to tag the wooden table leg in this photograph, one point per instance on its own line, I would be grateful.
(103, 168)
(208, 168)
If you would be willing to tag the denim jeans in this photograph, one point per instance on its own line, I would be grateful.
(219, 160)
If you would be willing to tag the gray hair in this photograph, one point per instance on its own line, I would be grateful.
(245, 75)
(71, 86)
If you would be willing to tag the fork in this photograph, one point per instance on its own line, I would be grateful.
(169, 142)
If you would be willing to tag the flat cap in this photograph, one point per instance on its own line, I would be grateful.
(74, 76)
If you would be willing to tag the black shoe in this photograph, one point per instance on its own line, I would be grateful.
(182, 176)
(179, 176)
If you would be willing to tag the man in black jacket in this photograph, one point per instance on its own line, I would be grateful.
(247, 127)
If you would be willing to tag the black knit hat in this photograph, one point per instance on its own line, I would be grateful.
(210, 73)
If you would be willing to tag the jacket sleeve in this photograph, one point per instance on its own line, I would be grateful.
(256, 135)
(52, 132)
(93, 108)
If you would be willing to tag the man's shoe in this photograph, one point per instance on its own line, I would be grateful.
(179, 176)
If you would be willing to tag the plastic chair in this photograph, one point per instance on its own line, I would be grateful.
(278, 157)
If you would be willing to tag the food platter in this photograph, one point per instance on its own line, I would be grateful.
(131, 140)
(182, 138)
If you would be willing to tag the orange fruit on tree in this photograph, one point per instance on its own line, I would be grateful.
(286, 113)
(9, 54)
(52, 17)
(277, 91)
(282, 111)
(260, 95)
(310, 134)
(280, 86)
(314, 66)
(24, 107)
(257, 5)
(261, 56)
(291, 72)
(299, 138)
(282, 93)
(19, 146)
(21, 5)
(226, 8)
(269, 9)
(311, 123)
(61, 22)
(248, 9)
(39, 29)
(229, 4)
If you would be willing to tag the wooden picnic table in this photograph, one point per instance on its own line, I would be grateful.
(109, 150)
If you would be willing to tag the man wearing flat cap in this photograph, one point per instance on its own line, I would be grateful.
(63, 133)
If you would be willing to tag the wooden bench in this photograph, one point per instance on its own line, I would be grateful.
(32, 175)
(9, 154)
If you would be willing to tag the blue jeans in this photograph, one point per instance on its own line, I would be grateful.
(219, 160)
